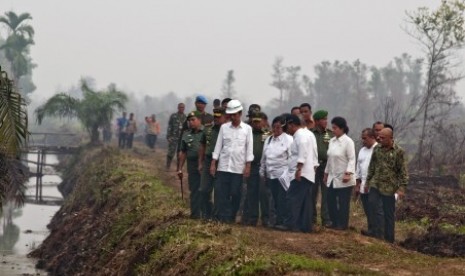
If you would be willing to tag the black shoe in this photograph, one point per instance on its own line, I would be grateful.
(281, 227)
(327, 224)
(367, 233)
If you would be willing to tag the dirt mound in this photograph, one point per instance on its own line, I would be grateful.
(439, 204)
(437, 242)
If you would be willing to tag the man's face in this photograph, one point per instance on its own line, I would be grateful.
(236, 117)
(194, 122)
(219, 120)
(323, 123)
(200, 106)
(366, 140)
(295, 111)
(306, 112)
(257, 124)
(377, 129)
(181, 108)
(385, 138)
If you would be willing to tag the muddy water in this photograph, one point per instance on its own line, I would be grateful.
(23, 229)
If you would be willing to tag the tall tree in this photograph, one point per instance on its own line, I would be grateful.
(16, 46)
(440, 33)
(13, 133)
(95, 110)
(279, 80)
(228, 85)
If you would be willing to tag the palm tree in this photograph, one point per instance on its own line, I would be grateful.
(95, 110)
(13, 133)
(16, 47)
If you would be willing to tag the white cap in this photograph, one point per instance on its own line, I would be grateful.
(233, 107)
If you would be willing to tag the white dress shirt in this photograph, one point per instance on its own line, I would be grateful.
(303, 150)
(276, 152)
(341, 159)
(234, 147)
(363, 161)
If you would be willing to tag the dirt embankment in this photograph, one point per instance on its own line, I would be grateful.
(125, 218)
(438, 203)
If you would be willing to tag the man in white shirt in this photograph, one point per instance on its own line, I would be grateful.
(234, 154)
(302, 163)
(363, 161)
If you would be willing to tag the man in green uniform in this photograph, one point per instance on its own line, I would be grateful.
(322, 135)
(189, 150)
(173, 133)
(207, 146)
(257, 203)
(387, 176)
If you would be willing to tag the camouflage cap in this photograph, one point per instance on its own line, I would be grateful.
(194, 113)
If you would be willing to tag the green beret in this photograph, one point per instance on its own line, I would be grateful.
(194, 113)
(320, 114)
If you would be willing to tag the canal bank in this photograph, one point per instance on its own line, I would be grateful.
(125, 217)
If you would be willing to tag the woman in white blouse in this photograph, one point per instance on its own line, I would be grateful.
(276, 151)
(339, 174)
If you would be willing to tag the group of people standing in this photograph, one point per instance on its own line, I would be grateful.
(284, 166)
(127, 128)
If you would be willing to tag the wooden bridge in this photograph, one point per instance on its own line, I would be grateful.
(43, 143)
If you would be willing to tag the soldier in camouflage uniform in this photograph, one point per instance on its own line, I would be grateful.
(207, 146)
(257, 200)
(174, 132)
(387, 176)
(189, 150)
(322, 135)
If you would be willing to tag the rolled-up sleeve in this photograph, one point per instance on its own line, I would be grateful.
(249, 145)
(303, 146)
(350, 151)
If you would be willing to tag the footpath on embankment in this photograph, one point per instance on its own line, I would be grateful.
(125, 216)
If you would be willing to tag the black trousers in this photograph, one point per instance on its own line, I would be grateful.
(278, 200)
(227, 195)
(206, 189)
(151, 140)
(324, 211)
(339, 205)
(382, 218)
(257, 202)
(122, 140)
(193, 179)
(366, 210)
(299, 205)
(129, 139)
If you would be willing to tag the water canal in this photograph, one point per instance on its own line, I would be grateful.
(23, 229)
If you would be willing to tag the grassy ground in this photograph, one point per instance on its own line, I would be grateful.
(126, 217)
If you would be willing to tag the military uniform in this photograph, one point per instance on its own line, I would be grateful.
(173, 134)
(257, 201)
(190, 144)
(208, 140)
(322, 141)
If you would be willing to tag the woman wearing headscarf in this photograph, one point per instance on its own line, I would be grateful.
(339, 173)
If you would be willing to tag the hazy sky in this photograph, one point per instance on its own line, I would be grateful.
(151, 47)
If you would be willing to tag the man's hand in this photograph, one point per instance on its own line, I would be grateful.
(346, 178)
(180, 174)
(213, 169)
(298, 175)
(247, 170)
(325, 179)
(400, 194)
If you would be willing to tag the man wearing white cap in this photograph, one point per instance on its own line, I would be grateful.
(234, 154)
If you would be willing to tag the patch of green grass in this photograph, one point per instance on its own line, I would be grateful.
(327, 267)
